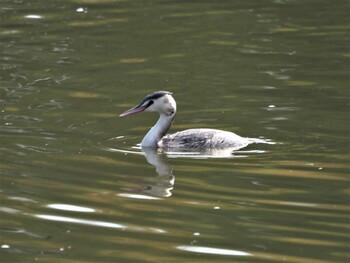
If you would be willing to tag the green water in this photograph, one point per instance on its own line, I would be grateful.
(76, 188)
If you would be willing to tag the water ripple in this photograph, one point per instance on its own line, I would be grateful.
(12, 117)
(37, 149)
(53, 104)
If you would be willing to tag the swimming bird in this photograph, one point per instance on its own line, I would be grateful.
(202, 138)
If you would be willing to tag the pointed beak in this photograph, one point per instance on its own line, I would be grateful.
(133, 110)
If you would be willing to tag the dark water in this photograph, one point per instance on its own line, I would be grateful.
(75, 188)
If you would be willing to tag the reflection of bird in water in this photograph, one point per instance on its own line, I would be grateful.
(155, 186)
(163, 103)
(162, 185)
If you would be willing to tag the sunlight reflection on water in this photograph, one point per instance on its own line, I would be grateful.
(210, 250)
(80, 221)
(99, 223)
(138, 196)
(74, 208)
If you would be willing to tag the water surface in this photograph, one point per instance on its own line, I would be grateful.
(74, 184)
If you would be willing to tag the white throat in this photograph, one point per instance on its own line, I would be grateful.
(157, 132)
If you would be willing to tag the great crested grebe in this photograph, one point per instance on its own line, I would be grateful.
(164, 103)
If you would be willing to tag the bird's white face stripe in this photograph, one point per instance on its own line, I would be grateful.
(164, 105)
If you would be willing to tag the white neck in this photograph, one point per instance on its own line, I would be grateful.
(157, 132)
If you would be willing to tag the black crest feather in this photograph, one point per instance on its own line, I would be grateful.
(156, 95)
